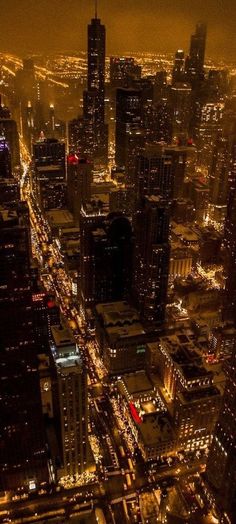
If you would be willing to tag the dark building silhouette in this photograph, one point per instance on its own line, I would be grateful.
(23, 459)
(5, 160)
(178, 72)
(79, 180)
(230, 242)
(123, 70)
(94, 101)
(195, 60)
(151, 258)
(106, 256)
(128, 119)
(8, 130)
(221, 465)
(49, 173)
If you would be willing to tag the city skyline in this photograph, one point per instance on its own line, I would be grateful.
(146, 27)
(118, 267)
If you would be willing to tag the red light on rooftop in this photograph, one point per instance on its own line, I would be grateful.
(72, 159)
(50, 304)
(134, 413)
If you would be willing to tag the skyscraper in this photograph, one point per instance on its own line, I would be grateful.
(5, 159)
(195, 60)
(221, 465)
(179, 67)
(94, 102)
(79, 180)
(8, 129)
(106, 255)
(23, 458)
(230, 242)
(151, 258)
(73, 401)
(122, 70)
(49, 176)
(128, 119)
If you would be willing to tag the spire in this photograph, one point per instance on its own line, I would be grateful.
(96, 8)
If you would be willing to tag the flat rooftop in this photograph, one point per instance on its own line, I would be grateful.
(137, 382)
(69, 363)
(196, 395)
(62, 336)
(186, 354)
(117, 314)
(59, 217)
(155, 429)
(118, 332)
(185, 233)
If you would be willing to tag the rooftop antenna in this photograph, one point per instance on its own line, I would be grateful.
(96, 8)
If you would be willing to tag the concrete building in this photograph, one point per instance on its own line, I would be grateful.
(73, 402)
(121, 337)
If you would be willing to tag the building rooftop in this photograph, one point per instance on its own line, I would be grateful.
(60, 217)
(117, 314)
(186, 354)
(137, 382)
(155, 429)
(62, 336)
(119, 332)
(185, 233)
(69, 363)
(201, 393)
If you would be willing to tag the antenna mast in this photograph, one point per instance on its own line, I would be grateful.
(96, 8)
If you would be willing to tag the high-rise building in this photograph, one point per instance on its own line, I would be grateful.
(151, 258)
(179, 67)
(160, 170)
(5, 160)
(190, 385)
(221, 465)
(195, 60)
(209, 127)
(23, 457)
(73, 402)
(79, 180)
(230, 241)
(49, 173)
(8, 130)
(106, 256)
(181, 104)
(219, 172)
(94, 96)
(122, 70)
(128, 118)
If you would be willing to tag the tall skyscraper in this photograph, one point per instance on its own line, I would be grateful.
(230, 242)
(106, 256)
(128, 119)
(160, 170)
(23, 457)
(94, 96)
(151, 258)
(5, 159)
(179, 67)
(73, 402)
(221, 465)
(122, 70)
(49, 176)
(219, 173)
(79, 180)
(8, 130)
(195, 60)
(181, 105)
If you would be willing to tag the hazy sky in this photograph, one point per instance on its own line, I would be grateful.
(132, 25)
